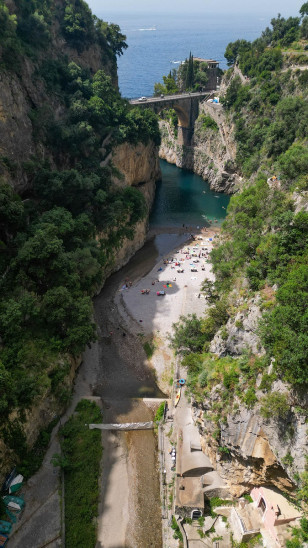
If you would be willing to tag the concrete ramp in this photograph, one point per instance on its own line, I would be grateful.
(124, 426)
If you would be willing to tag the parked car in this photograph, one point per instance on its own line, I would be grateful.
(142, 99)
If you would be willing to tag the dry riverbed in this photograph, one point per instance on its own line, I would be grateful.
(116, 372)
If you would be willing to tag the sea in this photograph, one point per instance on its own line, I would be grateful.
(158, 43)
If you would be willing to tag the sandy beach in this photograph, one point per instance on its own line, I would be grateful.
(179, 274)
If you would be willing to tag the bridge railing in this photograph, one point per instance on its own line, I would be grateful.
(183, 95)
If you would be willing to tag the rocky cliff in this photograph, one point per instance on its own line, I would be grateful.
(137, 166)
(245, 445)
(62, 117)
(212, 153)
(251, 450)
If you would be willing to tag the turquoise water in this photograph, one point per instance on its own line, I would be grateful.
(183, 197)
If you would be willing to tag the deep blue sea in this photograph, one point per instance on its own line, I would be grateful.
(159, 42)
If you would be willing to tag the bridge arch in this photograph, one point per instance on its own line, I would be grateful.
(186, 107)
(182, 114)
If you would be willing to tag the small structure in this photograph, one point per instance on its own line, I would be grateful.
(195, 477)
(245, 521)
(211, 63)
(212, 72)
(275, 512)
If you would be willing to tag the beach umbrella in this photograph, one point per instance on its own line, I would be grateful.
(16, 483)
(165, 286)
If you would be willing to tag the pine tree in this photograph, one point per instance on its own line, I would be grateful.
(189, 82)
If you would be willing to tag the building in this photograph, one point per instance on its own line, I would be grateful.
(195, 477)
(212, 72)
(275, 511)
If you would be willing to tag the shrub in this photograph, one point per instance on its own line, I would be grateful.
(250, 397)
(149, 349)
(160, 412)
(177, 532)
(294, 162)
(207, 122)
(188, 336)
(82, 450)
(287, 460)
(274, 405)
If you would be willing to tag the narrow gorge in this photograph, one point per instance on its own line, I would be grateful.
(137, 291)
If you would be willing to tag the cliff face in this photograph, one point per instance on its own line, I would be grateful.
(254, 449)
(250, 449)
(26, 94)
(49, 90)
(212, 153)
(138, 166)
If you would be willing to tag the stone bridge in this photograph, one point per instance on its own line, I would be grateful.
(186, 105)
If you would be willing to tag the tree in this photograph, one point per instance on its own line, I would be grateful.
(294, 161)
(304, 9)
(169, 86)
(234, 49)
(78, 24)
(110, 34)
(285, 29)
(8, 24)
(188, 336)
(189, 82)
(304, 28)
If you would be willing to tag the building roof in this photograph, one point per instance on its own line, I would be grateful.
(190, 494)
(206, 60)
(191, 461)
(274, 499)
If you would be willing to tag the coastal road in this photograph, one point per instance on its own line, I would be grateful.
(168, 98)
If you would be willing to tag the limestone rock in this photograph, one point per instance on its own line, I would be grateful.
(239, 334)
(212, 154)
(137, 164)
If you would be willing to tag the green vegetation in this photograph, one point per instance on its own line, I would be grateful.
(57, 239)
(171, 116)
(149, 348)
(177, 532)
(30, 30)
(254, 542)
(214, 502)
(159, 415)
(274, 405)
(270, 256)
(191, 75)
(207, 122)
(261, 257)
(288, 460)
(268, 119)
(300, 535)
(30, 460)
(82, 451)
